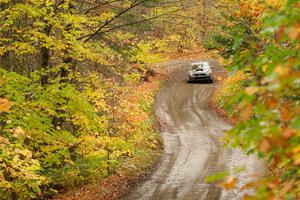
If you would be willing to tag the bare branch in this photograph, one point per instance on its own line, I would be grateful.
(100, 5)
(109, 21)
(137, 22)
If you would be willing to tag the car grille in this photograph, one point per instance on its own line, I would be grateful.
(200, 74)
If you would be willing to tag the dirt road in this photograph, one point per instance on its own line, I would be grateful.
(193, 149)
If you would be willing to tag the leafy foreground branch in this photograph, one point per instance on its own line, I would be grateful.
(262, 43)
(76, 88)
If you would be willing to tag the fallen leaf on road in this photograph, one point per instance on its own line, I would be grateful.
(229, 183)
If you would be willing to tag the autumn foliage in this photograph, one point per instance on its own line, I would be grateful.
(75, 103)
(265, 51)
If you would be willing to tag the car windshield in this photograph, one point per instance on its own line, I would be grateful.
(199, 67)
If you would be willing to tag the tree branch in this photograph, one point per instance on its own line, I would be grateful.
(137, 22)
(109, 21)
(99, 6)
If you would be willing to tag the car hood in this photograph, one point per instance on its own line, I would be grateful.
(204, 71)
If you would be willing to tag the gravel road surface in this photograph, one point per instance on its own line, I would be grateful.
(193, 147)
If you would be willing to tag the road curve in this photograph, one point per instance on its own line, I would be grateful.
(192, 144)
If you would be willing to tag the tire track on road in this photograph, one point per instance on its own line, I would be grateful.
(192, 146)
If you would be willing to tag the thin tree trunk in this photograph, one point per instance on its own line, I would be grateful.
(45, 58)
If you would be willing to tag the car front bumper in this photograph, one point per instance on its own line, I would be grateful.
(200, 77)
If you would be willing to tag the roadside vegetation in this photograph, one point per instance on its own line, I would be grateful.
(260, 41)
(77, 85)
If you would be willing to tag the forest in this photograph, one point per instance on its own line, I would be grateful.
(78, 80)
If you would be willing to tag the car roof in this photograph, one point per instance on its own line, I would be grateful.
(200, 63)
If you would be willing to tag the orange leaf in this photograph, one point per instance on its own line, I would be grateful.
(249, 185)
(5, 105)
(229, 183)
(276, 159)
(265, 145)
(287, 133)
(286, 188)
(282, 70)
(248, 197)
(272, 102)
(246, 113)
(280, 33)
(286, 113)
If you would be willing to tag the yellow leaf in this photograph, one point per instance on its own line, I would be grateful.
(296, 149)
(251, 90)
(296, 159)
(282, 70)
(219, 78)
(18, 132)
(293, 33)
(3, 141)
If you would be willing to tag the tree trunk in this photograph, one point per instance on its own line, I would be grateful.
(45, 58)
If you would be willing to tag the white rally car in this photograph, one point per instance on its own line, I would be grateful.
(200, 71)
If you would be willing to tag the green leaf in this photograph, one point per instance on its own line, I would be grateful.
(216, 177)
(296, 123)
